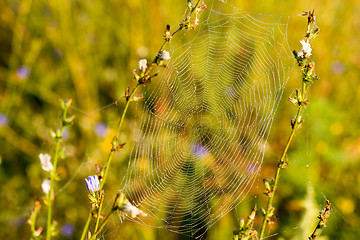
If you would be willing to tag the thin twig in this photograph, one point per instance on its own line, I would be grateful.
(323, 216)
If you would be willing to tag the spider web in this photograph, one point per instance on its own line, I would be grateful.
(206, 119)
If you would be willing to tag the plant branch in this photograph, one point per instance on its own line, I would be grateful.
(308, 77)
(282, 164)
(58, 140)
(323, 216)
(86, 226)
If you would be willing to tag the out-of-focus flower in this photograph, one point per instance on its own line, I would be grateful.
(23, 72)
(38, 232)
(142, 65)
(132, 210)
(65, 134)
(4, 120)
(46, 164)
(338, 67)
(67, 230)
(306, 49)
(100, 129)
(164, 55)
(92, 184)
(46, 186)
(200, 150)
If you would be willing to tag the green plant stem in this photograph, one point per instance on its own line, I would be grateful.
(117, 135)
(278, 170)
(86, 226)
(102, 225)
(99, 213)
(128, 100)
(49, 200)
(58, 141)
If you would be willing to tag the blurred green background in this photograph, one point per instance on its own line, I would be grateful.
(86, 50)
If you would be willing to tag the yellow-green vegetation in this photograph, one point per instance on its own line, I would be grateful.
(86, 50)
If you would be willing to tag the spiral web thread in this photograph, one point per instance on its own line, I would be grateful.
(206, 120)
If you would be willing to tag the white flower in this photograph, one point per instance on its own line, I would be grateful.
(134, 211)
(306, 49)
(46, 186)
(164, 55)
(46, 164)
(143, 65)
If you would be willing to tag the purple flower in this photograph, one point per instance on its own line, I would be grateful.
(65, 134)
(4, 120)
(92, 184)
(23, 72)
(100, 129)
(200, 150)
(338, 67)
(67, 230)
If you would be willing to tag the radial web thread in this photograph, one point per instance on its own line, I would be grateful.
(206, 119)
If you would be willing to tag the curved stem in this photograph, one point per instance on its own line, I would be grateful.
(86, 226)
(278, 170)
(102, 225)
(58, 141)
(99, 213)
(52, 179)
(128, 100)
(117, 135)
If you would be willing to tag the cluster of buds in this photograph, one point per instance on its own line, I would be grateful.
(269, 186)
(123, 204)
(323, 218)
(144, 78)
(95, 194)
(66, 120)
(186, 23)
(115, 146)
(246, 230)
(161, 57)
(311, 32)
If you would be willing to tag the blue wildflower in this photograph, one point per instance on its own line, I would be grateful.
(23, 72)
(4, 120)
(100, 129)
(92, 184)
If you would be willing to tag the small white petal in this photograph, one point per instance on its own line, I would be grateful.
(46, 186)
(132, 210)
(142, 65)
(46, 164)
(165, 55)
(306, 49)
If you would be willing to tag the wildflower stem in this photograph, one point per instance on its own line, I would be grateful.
(166, 41)
(278, 170)
(103, 224)
(58, 140)
(128, 100)
(52, 178)
(323, 216)
(307, 78)
(86, 226)
(99, 213)
(32, 219)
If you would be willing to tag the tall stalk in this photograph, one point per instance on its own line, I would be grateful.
(308, 77)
